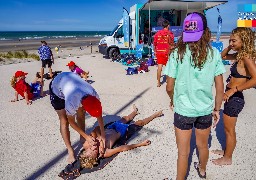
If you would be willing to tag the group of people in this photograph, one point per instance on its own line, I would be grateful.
(35, 88)
(193, 66)
(192, 69)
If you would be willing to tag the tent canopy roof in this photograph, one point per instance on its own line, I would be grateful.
(180, 4)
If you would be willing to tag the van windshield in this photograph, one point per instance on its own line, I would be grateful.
(113, 31)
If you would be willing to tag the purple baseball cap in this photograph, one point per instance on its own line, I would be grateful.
(193, 27)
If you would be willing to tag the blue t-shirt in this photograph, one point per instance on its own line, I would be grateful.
(45, 52)
(193, 87)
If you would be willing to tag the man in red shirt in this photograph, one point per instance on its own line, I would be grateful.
(163, 44)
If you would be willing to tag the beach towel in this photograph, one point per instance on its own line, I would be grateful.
(72, 171)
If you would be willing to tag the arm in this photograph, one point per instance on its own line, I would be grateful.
(84, 75)
(219, 86)
(111, 152)
(226, 56)
(16, 97)
(52, 57)
(73, 124)
(102, 130)
(170, 89)
(26, 98)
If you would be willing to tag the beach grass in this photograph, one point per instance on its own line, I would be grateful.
(19, 55)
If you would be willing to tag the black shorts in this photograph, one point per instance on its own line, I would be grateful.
(57, 103)
(187, 123)
(234, 105)
(48, 62)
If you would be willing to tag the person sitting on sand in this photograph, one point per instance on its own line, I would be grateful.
(75, 69)
(90, 155)
(25, 90)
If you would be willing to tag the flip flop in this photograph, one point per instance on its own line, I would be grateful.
(196, 165)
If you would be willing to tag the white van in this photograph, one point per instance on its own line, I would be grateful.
(144, 17)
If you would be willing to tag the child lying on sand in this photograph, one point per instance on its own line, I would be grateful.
(114, 131)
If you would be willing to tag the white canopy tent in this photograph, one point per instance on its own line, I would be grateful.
(181, 5)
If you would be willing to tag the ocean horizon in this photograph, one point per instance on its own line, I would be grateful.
(32, 35)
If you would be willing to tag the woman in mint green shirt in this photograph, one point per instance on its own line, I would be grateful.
(194, 66)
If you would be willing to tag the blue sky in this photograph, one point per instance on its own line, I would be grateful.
(86, 15)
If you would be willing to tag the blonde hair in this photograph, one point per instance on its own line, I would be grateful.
(13, 81)
(87, 162)
(247, 37)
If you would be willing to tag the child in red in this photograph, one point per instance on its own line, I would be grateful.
(163, 44)
(75, 69)
(21, 87)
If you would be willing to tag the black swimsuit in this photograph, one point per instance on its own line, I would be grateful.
(234, 73)
(236, 102)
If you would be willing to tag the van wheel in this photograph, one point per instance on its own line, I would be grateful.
(113, 53)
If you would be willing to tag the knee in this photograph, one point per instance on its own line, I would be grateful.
(139, 123)
(230, 131)
(202, 146)
(184, 155)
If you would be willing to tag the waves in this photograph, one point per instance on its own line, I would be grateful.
(33, 35)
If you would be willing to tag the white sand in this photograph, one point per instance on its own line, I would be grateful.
(31, 146)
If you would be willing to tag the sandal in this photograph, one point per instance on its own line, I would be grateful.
(196, 165)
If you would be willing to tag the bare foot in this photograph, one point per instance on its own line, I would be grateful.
(146, 143)
(222, 161)
(158, 84)
(135, 109)
(71, 158)
(218, 152)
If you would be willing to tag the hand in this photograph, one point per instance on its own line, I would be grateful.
(171, 105)
(91, 140)
(146, 143)
(228, 94)
(29, 102)
(216, 118)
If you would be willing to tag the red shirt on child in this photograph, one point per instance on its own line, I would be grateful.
(21, 86)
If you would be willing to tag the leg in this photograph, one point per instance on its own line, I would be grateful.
(159, 72)
(183, 144)
(42, 74)
(202, 136)
(127, 119)
(50, 71)
(230, 131)
(80, 117)
(148, 119)
(64, 130)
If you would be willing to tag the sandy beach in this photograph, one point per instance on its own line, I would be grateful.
(31, 146)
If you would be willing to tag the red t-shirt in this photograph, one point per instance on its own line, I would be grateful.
(21, 86)
(163, 41)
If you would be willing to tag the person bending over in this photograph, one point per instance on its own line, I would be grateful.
(77, 70)
(71, 97)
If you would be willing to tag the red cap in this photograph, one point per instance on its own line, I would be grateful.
(20, 73)
(71, 63)
(92, 105)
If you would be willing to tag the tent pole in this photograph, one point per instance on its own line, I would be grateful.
(149, 32)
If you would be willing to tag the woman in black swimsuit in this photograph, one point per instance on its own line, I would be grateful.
(242, 77)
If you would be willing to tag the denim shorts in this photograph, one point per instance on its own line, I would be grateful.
(234, 105)
(187, 123)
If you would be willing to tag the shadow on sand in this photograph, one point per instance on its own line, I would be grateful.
(77, 145)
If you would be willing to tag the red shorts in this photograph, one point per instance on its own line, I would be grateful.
(162, 58)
